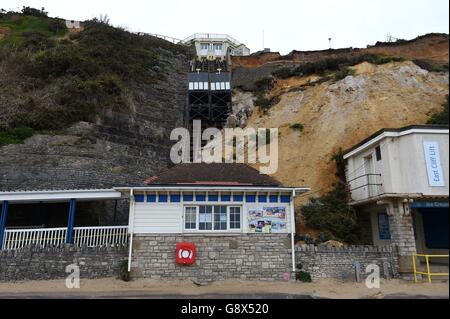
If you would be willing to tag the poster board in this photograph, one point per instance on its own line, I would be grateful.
(267, 219)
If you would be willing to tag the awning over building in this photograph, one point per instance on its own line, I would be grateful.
(59, 195)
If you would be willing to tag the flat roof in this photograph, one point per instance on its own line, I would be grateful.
(181, 188)
(413, 128)
(59, 195)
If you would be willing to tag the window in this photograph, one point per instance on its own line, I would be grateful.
(378, 153)
(205, 218)
(235, 218)
(285, 199)
(204, 46)
(217, 47)
(214, 218)
(139, 198)
(384, 231)
(220, 218)
(190, 218)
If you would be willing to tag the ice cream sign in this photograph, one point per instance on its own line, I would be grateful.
(433, 162)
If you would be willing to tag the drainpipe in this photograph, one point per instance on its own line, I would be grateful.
(131, 227)
(293, 230)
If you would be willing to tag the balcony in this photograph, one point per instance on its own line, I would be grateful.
(365, 187)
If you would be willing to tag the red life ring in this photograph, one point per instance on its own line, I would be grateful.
(185, 253)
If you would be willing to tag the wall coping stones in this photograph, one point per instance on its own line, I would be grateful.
(346, 249)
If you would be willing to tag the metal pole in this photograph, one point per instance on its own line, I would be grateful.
(415, 268)
(3, 222)
(131, 228)
(293, 231)
(428, 268)
(69, 236)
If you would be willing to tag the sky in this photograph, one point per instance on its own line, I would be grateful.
(286, 24)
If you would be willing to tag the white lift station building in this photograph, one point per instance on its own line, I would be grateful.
(212, 221)
(399, 184)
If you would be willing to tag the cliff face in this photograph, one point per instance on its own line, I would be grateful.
(430, 49)
(340, 114)
(101, 118)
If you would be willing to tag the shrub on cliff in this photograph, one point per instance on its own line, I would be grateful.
(29, 11)
(331, 213)
(440, 117)
(14, 135)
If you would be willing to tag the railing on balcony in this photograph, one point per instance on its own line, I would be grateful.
(83, 236)
(366, 186)
(211, 36)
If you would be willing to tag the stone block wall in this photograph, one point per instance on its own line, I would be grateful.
(248, 256)
(254, 257)
(325, 262)
(35, 263)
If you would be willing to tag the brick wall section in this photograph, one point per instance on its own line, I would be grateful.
(325, 262)
(34, 263)
(252, 256)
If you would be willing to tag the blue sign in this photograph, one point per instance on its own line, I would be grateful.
(429, 205)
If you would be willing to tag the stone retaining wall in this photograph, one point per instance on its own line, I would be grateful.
(248, 256)
(325, 262)
(35, 263)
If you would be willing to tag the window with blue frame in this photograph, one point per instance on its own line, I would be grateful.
(225, 198)
(188, 197)
(262, 198)
(163, 198)
(213, 197)
(238, 198)
(200, 197)
(175, 198)
(384, 232)
(139, 198)
(151, 198)
(273, 198)
(250, 198)
(285, 199)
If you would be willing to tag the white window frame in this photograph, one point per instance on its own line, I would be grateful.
(196, 217)
(212, 231)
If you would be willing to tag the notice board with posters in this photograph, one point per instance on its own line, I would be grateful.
(267, 219)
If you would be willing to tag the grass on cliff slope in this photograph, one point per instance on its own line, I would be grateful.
(331, 65)
(85, 73)
(22, 26)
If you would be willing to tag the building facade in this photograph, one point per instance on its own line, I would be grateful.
(242, 224)
(399, 184)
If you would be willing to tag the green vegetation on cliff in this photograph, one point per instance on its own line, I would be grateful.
(55, 78)
(331, 213)
(441, 117)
